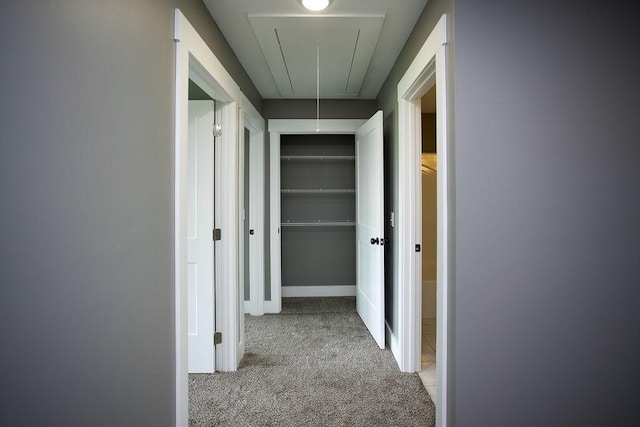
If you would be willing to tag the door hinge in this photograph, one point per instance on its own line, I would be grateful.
(217, 338)
(217, 130)
(217, 234)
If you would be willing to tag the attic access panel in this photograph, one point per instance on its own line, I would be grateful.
(289, 44)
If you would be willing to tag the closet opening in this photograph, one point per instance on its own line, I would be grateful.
(327, 214)
(317, 180)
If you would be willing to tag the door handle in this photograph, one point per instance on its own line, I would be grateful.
(251, 232)
(375, 241)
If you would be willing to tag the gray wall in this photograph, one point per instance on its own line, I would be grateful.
(86, 177)
(547, 308)
(546, 319)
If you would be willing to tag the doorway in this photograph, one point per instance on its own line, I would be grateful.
(427, 194)
(254, 228)
(428, 68)
(368, 221)
(196, 62)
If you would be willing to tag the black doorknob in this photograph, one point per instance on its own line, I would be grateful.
(375, 241)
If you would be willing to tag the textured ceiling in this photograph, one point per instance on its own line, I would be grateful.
(276, 42)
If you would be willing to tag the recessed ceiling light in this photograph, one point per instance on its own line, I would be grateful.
(315, 5)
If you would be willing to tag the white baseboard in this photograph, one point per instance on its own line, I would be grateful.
(319, 291)
(272, 307)
(393, 343)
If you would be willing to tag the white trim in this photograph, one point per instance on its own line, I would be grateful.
(428, 67)
(444, 233)
(228, 200)
(195, 60)
(411, 80)
(392, 340)
(236, 295)
(327, 126)
(319, 291)
(180, 236)
(276, 128)
(253, 121)
(273, 307)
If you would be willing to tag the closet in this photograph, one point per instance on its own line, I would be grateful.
(327, 213)
(317, 202)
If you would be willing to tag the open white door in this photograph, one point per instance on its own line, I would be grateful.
(200, 270)
(370, 227)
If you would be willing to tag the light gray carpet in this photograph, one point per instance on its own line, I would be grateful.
(314, 364)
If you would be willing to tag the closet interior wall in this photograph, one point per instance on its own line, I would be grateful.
(317, 175)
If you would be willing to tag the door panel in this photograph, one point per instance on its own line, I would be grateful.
(370, 227)
(200, 262)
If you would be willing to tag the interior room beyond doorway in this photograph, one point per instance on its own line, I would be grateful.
(428, 195)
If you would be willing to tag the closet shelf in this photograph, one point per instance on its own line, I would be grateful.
(318, 158)
(318, 191)
(346, 223)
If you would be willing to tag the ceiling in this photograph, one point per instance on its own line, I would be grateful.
(278, 42)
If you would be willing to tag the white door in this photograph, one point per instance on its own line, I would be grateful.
(370, 227)
(200, 266)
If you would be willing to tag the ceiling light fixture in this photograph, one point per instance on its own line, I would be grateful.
(315, 5)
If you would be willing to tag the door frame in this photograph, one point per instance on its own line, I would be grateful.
(253, 121)
(277, 127)
(196, 61)
(428, 68)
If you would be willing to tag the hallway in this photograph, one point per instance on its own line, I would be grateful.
(313, 364)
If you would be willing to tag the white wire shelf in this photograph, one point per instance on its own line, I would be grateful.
(346, 223)
(318, 158)
(318, 191)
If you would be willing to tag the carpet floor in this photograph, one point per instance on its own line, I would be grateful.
(314, 364)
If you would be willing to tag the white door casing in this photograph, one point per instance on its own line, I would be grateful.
(200, 273)
(195, 61)
(370, 227)
(254, 123)
(277, 127)
(374, 308)
(429, 67)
